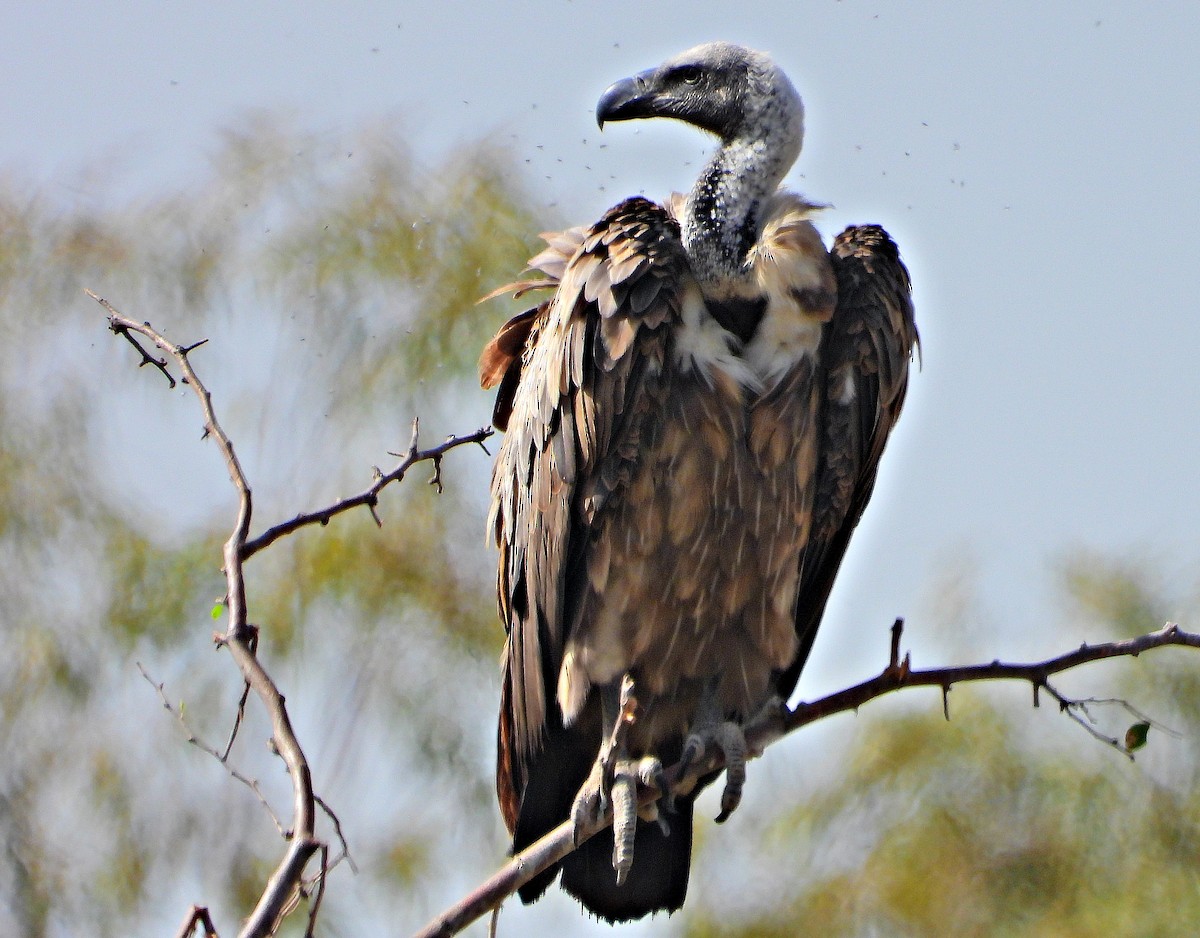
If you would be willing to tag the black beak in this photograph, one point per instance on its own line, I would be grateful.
(627, 99)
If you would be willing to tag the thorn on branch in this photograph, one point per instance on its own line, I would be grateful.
(370, 496)
(894, 657)
(197, 915)
(187, 349)
(416, 432)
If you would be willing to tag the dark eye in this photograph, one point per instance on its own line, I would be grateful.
(688, 74)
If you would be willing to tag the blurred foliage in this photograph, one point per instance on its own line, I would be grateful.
(332, 276)
(1123, 594)
(1002, 821)
(336, 279)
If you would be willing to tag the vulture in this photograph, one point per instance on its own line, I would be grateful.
(694, 419)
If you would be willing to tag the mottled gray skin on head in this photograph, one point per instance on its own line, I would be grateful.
(744, 99)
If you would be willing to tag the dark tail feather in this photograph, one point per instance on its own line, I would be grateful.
(556, 774)
(658, 879)
(656, 883)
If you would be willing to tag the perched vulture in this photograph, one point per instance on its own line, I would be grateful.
(694, 422)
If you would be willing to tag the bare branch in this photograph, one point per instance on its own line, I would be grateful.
(369, 496)
(241, 715)
(118, 326)
(1037, 673)
(777, 722)
(315, 907)
(286, 884)
(284, 880)
(1077, 711)
(337, 829)
(200, 744)
(237, 639)
(197, 915)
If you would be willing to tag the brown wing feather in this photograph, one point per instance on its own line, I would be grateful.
(584, 381)
(866, 349)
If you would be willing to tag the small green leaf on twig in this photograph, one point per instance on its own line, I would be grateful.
(1135, 736)
(217, 610)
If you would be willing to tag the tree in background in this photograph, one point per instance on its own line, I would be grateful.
(1001, 821)
(336, 283)
(337, 286)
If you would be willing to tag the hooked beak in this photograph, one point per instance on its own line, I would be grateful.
(627, 99)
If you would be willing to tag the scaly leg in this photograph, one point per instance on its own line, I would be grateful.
(711, 730)
(614, 778)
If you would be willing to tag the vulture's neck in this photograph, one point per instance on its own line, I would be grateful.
(723, 213)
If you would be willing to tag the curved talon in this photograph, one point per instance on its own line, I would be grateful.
(731, 797)
(732, 740)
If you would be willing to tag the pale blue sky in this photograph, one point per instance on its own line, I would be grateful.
(1037, 163)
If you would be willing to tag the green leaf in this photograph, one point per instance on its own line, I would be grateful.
(217, 610)
(1135, 736)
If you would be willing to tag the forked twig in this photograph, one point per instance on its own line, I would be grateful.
(193, 739)
(197, 915)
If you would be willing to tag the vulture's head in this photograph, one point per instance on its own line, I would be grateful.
(733, 92)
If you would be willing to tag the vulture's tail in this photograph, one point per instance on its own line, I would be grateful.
(658, 880)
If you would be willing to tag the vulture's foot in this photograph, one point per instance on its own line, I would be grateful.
(613, 783)
(729, 738)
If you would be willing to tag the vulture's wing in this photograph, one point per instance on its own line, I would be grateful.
(865, 349)
(588, 374)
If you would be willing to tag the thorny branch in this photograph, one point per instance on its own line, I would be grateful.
(303, 842)
(286, 885)
(777, 722)
(370, 496)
